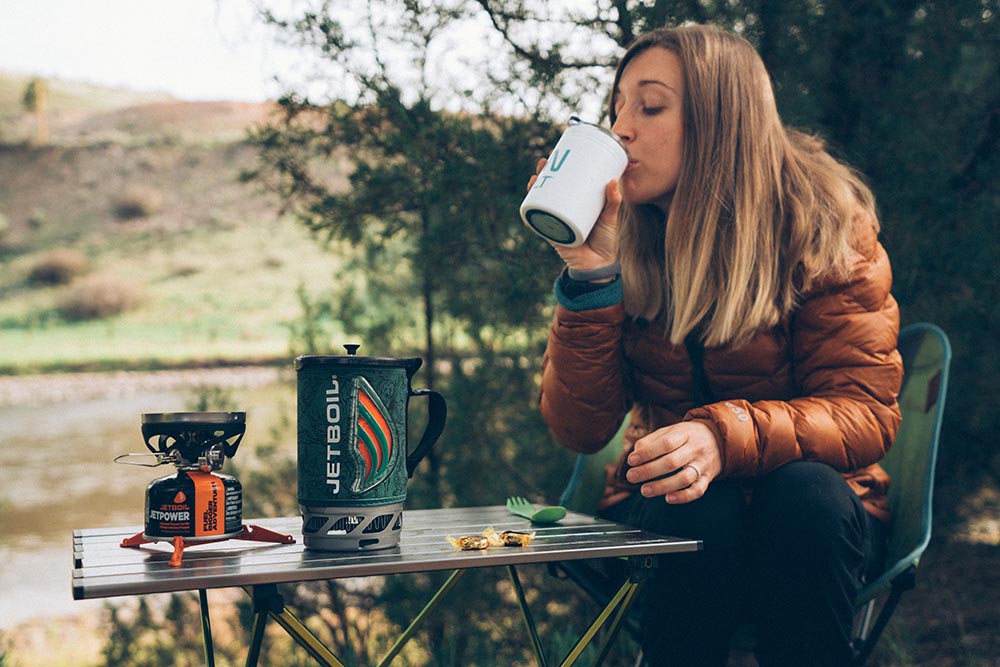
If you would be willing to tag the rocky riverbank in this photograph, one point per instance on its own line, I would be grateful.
(59, 387)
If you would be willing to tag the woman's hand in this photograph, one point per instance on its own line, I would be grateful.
(601, 247)
(689, 449)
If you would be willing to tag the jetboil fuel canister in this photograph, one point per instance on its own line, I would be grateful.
(353, 460)
(193, 504)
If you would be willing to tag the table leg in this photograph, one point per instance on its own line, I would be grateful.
(206, 628)
(268, 602)
(257, 636)
(616, 626)
(622, 597)
(638, 568)
(526, 613)
(419, 619)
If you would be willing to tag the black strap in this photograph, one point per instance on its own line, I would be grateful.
(696, 351)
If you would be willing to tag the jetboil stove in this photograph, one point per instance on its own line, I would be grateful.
(197, 504)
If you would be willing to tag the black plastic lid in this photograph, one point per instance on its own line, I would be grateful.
(410, 364)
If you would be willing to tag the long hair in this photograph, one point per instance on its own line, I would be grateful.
(760, 214)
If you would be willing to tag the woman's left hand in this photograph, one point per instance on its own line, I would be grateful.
(689, 449)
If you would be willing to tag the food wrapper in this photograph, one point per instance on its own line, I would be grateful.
(491, 538)
(470, 542)
(513, 538)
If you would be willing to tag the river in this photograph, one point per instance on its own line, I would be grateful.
(58, 438)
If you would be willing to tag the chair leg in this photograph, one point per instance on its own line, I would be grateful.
(864, 626)
(865, 645)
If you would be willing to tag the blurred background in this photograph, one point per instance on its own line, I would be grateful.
(193, 193)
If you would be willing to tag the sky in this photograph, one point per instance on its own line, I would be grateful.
(191, 49)
(221, 50)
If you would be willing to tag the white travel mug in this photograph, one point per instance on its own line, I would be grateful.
(568, 195)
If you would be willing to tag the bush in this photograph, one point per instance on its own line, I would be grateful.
(139, 201)
(58, 267)
(100, 296)
(37, 219)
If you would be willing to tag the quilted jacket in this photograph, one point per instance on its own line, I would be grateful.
(820, 386)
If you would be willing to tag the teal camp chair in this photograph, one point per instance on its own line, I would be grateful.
(910, 462)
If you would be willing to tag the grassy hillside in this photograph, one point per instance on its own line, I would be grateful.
(70, 96)
(145, 200)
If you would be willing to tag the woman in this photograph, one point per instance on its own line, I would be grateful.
(733, 302)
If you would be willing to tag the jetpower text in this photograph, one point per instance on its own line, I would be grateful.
(170, 515)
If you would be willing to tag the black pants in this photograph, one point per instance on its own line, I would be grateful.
(791, 561)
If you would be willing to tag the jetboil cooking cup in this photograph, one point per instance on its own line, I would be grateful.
(568, 195)
(353, 459)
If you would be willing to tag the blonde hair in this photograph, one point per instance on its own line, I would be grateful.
(760, 212)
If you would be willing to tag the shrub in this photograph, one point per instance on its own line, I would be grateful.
(37, 219)
(100, 296)
(138, 201)
(58, 267)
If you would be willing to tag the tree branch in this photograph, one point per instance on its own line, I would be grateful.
(538, 61)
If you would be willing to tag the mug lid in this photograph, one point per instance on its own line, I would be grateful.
(576, 120)
(409, 363)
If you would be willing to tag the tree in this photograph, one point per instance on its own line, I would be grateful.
(35, 100)
(435, 258)
(429, 208)
(904, 91)
(436, 160)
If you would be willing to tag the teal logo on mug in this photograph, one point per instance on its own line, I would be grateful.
(553, 165)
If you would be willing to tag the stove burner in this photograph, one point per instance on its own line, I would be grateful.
(193, 440)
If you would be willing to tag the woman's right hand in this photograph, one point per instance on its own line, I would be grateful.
(601, 247)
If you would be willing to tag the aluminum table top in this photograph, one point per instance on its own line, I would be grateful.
(102, 568)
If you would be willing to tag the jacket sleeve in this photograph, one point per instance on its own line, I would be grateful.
(848, 372)
(583, 396)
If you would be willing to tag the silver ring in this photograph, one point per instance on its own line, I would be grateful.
(696, 471)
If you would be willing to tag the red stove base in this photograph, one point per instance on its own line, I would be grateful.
(248, 532)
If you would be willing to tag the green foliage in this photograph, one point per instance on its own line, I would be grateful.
(161, 634)
(211, 399)
(6, 659)
(37, 219)
(312, 331)
(31, 95)
(428, 212)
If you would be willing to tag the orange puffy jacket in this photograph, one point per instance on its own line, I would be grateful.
(821, 386)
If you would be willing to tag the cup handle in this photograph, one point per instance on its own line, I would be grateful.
(436, 416)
